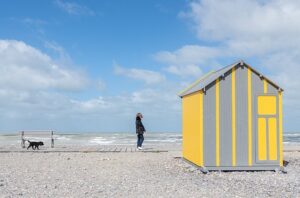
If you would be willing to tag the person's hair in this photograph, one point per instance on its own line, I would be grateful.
(139, 115)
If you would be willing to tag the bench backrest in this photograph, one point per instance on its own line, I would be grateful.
(41, 133)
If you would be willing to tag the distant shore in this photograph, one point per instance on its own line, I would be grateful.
(291, 147)
(149, 147)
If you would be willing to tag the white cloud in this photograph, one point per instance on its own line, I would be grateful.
(187, 60)
(264, 31)
(188, 54)
(59, 50)
(185, 70)
(91, 105)
(100, 85)
(35, 94)
(74, 8)
(248, 27)
(148, 76)
(24, 67)
(34, 88)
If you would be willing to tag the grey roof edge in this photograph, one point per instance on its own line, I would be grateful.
(196, 82)
(264, 77)
(217, 74)
(194, 88)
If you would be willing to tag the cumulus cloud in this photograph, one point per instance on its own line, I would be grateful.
(27, 68)
(37, 93)
(264, 31)
(148, 76)
(34, 88)
(59, 51)
(74, 8)
(188, 54)
(187, 60)
(184, 70)
(247, 27)
(104, 112)
(100, 85)
(91, 105)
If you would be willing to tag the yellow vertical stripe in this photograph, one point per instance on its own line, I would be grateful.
(217, 123)
(280, 130)
(272, 132)
(262, 139)
(233, 118)
(265, 86)
(201, 129)
(249, 117)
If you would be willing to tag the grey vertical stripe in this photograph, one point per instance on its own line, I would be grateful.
(241, 116)
(209, 125)
(272, 89)
(226, 120)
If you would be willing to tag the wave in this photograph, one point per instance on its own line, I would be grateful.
(117, 138)
(61, 137)
(101, 140)
(171, 141)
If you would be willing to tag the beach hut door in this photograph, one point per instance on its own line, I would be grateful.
(267, 129)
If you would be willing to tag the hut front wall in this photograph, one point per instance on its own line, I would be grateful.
(220, 125)
(230, 127)
(192, 127)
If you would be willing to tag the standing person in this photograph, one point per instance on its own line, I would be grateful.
(140, 130)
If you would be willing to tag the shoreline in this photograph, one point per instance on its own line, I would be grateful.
(122, 147)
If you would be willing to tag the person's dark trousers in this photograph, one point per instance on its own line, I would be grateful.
(140, 140)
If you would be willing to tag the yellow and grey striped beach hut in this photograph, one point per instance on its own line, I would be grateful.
(232, 120)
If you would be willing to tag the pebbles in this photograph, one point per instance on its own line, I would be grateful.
(135, 175)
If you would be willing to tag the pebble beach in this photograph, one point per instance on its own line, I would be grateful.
(135, 174)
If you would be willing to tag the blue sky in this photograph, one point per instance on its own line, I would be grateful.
(88, 66)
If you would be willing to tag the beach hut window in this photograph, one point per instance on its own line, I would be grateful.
(266, 105)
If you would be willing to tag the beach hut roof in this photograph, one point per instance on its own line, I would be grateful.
(210, 77)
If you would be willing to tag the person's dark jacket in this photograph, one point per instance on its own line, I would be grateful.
(140, 129)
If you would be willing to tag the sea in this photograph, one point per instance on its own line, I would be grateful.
(120, 138)
(92, 139)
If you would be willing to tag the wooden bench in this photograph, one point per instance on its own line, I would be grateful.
(26, 134)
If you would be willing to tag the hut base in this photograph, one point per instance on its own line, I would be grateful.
(268, 167)
(243, 168)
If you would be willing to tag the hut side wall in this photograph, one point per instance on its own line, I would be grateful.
(192, 127)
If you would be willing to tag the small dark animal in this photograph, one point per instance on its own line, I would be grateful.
(35, 145)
